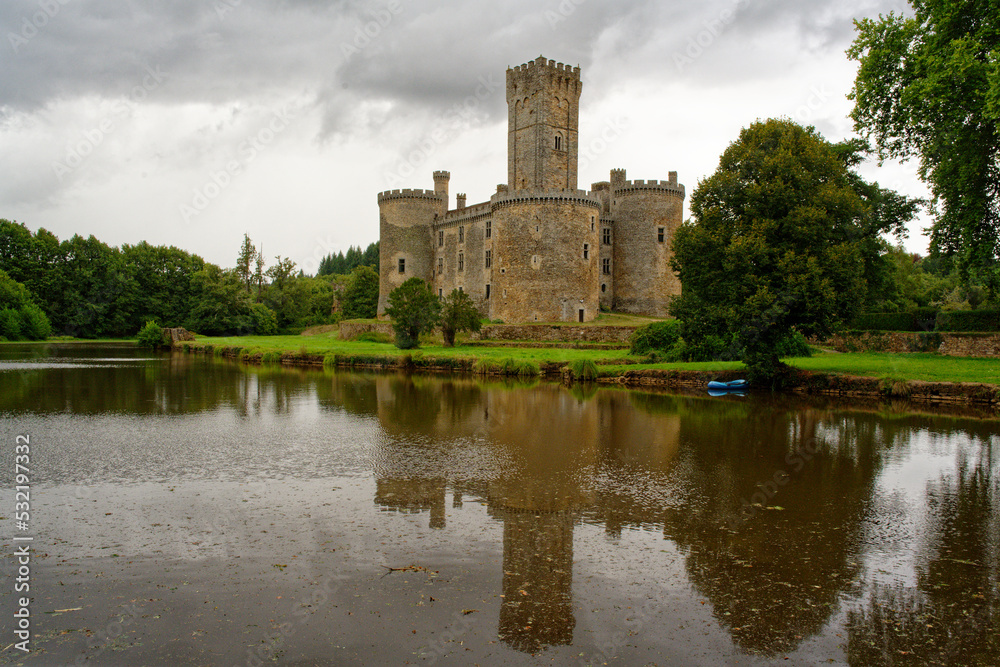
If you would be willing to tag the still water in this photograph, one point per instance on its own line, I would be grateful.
(196, 511)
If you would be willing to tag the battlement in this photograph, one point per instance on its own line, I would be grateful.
(599, 186)
(561, 195)
(670, 186)
(408, 194)
(541, 63)
(442, 174)
(473, 211)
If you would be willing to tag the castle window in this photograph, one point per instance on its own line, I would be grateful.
(604, 288)
(661, 234)
(461, 261)
(558, 143)
(460, 289)
(440, 264)
(489, 259)
(440, 239)
(402, 264)
(586, 251)
(487, 291)
(440, 293)
(461, 234)
(489, 228)
(607, 236)
(606, 266)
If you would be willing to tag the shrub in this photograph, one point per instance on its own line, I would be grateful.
(968, 320)
(458, 313)
(584, 369)
(709, 348)
(151, 336)
(794, 346)
(34, 323)
(263, 320)
(661, 336)
(10, 324)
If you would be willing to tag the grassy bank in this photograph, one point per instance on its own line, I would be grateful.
(923, 367)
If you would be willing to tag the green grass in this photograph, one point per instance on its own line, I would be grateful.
(913, 366)
(917, 366)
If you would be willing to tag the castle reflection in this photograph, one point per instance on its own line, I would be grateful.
(766, 503)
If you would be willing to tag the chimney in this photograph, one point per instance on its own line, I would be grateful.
(460, 200)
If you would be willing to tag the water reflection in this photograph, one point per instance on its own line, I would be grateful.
(790, 519)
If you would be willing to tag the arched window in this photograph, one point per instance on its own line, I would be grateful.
(558, 143)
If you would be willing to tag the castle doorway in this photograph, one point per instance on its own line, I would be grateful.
(581, 314)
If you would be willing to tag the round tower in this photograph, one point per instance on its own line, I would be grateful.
(406, 248)
(545, 256)
(646, 215)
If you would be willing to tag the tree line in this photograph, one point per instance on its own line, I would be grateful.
(88, 289)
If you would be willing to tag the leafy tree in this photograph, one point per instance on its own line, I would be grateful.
(151, 336)
(781, 239)
(458, 313)
(929, 87)
(414, 310)
(10, 324)
(244, 263)
(34, 323)
(359, 299)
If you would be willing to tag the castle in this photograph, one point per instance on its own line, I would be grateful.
(539, 250)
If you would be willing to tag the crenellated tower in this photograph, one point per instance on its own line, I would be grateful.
(543, 106)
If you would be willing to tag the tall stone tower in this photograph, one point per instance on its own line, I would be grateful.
(543, 102)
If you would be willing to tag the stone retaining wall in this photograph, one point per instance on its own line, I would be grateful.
(508, 332)
(949, 344)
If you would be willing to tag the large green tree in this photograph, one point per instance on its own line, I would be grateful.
(458, 313)
(360, 296)
(783, 236)
(928, 86)
(414, 309)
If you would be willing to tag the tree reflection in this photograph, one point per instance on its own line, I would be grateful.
(952, 616)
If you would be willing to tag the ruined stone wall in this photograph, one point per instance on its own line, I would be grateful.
(405, 221)
(643, 280)
(540, 273)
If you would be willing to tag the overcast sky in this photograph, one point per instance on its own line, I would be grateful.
(190, 122)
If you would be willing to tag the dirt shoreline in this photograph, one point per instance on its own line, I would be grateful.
(803, 382)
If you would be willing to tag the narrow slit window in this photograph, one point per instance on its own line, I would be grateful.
(487, 290)
(607, 236)
(402, 264)
(489, 259)
(606, 266)
(489, 228)
(661, 234)
(440, 239)
(586, 251)
(461, 261)
(558, 143)
(461, 235)
(440, 264)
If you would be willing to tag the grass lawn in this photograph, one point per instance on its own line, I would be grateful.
(913, 366)
(927, 367)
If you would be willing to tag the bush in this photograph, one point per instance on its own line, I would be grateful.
(794, 346)
(918, 319)
(661, 336)
(968, 320)
(263, 320)
(34, 323)
(150, 336)
(10, 324)
(709, 348)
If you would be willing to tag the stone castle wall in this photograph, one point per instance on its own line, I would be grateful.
(545, 265)
(405, 220)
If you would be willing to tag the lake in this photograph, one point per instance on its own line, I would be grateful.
(187, 510)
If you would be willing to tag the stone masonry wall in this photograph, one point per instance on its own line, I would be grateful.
(540, 273)
(949, 344)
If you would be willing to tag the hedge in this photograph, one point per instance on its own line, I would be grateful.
(919, 319)
(968, 320)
